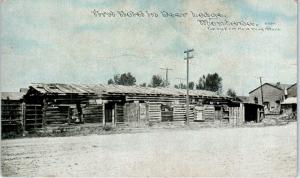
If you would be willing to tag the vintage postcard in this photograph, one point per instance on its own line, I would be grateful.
(140, 88)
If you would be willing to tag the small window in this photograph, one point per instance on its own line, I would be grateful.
(255, 100)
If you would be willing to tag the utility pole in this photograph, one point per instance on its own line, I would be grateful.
(167, 71)
(187, 58)
(180, 79)
(262, 95)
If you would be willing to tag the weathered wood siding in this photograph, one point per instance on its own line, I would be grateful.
(33, 116)
(12, 113)
(179, 112)
(209, 113)
(119, 113)
(234, 115)
(56, 115)
(154, 112)
(93, 113)
(143, 120)
(131, 111)
(237, 115)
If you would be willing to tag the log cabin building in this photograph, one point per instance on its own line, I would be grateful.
(117, 105)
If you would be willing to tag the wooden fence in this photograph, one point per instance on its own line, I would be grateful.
(12, 114)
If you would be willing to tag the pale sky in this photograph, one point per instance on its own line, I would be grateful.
(61, 41)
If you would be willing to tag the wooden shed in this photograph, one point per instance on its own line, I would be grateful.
(289, 105)
(12, 111)
(249, 112)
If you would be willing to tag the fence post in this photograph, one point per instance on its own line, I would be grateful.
(69, 115)
(103, 118)
(23, 118)
(44, 114)
(114, 115)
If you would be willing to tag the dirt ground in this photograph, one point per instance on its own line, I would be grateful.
(259, 151)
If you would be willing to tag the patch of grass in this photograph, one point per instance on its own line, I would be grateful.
(107, 128)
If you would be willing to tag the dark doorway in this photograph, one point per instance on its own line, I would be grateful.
(218, 112)
(166, 113)
(250, 112)
(294, 107)
(109, 112)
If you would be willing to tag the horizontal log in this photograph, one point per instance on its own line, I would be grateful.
(9, 124)
(11, 104)
(13, 120)
(154, 113)
(33, 124)
(92, 113)
(33, 110)
(33, 119)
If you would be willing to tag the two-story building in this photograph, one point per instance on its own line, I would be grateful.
(270, 95)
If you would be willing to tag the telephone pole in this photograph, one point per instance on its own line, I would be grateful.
(167, 71)
(187, 58)
(262, 95)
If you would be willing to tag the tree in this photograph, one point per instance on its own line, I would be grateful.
(157, 81)
(126, 79)
(191, 85)
(201, 83)
(211, 82)
(180, 86)
(231, 92)
(110, 81)
(183, 86)
(143, 84)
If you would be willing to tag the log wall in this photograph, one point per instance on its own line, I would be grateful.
(154, 112)
(12, 113)
(56, 115)
(33, 116)
(119, 113)
(93, 113)
(209, 113)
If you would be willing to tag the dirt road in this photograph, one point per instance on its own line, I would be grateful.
(264, 151)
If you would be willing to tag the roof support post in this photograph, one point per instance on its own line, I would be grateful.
(45, 105)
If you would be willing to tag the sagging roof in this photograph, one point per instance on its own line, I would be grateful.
(244, 99)
(12, 95)
(291, 100)
(56, 88)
